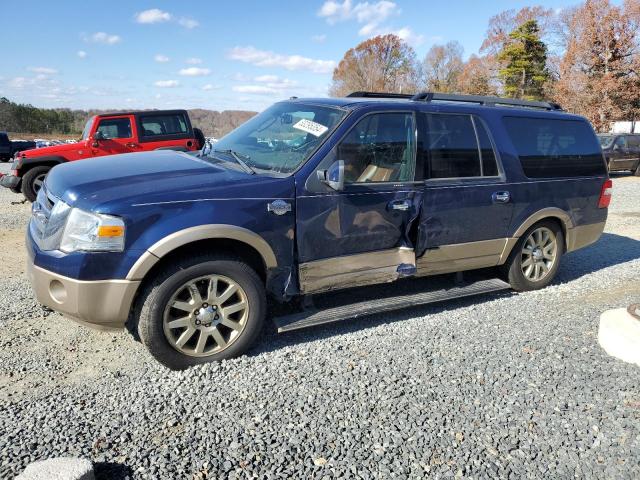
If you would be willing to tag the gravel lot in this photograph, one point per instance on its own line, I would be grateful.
(496, 386)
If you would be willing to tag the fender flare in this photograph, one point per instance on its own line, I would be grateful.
(201, 232)
(36, 161)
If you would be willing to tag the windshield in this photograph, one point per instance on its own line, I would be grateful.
(606, 140)
(87, 128)
(282, 137)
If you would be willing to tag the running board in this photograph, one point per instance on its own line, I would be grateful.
(312, 317)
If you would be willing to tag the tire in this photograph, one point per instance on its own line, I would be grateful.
(162, 327)
(32, 181)
(514, 270)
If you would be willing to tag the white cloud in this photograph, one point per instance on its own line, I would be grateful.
(161, 58)
(319, 38)
(209, 86)
(262, 58)
(371, 15)
(43, 70)
(188, 23)
(153, 15)
(267, 78)
(252, 89)
(104, 38)
(194, 72)
(166, 83)
(410, 36)
(193, 61)
(81, 54)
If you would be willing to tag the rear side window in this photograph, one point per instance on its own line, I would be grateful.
(555, 148)
(634, 142)
(115, 127)
(164, 124)
(458, 146)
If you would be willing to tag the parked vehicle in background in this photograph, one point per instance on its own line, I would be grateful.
(312, 196)
(106, 134)
(8, 148)
(621, 151)
(5, 147)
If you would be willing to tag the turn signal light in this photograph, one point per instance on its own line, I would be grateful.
(110, 231)
(605, 194)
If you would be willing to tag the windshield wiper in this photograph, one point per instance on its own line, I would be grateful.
(236, 156)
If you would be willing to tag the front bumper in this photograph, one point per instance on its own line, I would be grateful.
(10, 181)
(102, 304)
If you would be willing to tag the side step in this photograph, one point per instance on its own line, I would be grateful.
(308, 318)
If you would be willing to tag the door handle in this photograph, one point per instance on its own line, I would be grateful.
(132, 145)
(501, 197)
(400, 205)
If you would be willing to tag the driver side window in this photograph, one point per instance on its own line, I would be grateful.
(379, 148)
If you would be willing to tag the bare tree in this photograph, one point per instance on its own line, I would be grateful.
(381, 64)
(442, 67)
(478, 76)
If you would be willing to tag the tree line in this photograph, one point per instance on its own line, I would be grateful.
(19, 118)
(586, 58)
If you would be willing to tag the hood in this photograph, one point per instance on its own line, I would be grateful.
(106, 184)
(53, 150)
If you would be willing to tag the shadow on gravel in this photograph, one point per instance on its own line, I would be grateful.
(111, 471)
(273, 341)
(610, 250)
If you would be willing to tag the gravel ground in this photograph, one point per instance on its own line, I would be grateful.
(498, 386)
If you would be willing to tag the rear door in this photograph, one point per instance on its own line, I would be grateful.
(165, 130)
(118, 136)
(467, 205)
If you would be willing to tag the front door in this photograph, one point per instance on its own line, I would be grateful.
(467, 206)
(117, 136)
(363, 233)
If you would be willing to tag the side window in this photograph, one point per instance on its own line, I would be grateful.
(549, 147)
(168, 124)
(115, 127)
(621, 142)
(452, 146)
(380, 148)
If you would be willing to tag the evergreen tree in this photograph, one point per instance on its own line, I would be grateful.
(524, 57)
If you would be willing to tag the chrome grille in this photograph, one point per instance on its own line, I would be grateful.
(48, 216)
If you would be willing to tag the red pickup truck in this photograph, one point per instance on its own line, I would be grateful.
(106, 134)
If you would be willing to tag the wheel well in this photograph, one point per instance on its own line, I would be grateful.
(45, 163)
(234, 248)
(560, 224)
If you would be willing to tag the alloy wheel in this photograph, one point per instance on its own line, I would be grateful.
(539, 254)
(206, 315)
(38, 181)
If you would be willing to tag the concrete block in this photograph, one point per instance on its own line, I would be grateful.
(61, 468)
(619, 335)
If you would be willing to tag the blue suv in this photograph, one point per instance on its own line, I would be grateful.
(313, 195)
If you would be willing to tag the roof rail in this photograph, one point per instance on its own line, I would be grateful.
(380, 95)
(484, 100)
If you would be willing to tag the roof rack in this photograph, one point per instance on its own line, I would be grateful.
(484, 100)
(380, 95)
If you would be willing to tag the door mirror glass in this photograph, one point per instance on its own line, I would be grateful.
(334, 175)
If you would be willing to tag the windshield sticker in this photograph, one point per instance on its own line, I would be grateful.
(311, 127)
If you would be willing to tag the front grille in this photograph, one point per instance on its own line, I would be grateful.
(48, 217)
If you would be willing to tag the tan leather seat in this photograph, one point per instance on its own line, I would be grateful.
(374, 173)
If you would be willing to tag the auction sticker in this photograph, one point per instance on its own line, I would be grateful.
(311, 127)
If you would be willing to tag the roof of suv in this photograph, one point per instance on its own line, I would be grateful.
(139, 112)
(470, 102)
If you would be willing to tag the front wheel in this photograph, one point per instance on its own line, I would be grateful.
(535, 259)
(202, 310)
(33, 180)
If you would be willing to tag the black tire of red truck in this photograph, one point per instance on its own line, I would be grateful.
(32, 181)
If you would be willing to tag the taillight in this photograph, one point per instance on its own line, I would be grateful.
(605, 194)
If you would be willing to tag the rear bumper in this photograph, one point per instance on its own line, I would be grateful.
(10, 181)
(102, 304)
(583, 235)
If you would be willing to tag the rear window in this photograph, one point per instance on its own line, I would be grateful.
(164, 124)
(555, 148)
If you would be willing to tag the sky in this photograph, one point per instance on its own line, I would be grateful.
(206, 54)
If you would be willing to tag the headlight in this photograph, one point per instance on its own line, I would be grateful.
(93, 232)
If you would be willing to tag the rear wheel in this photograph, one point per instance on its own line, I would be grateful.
(33, 180)
(202, 310)
(535, 259)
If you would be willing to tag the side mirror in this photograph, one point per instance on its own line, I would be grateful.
(334, 175)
